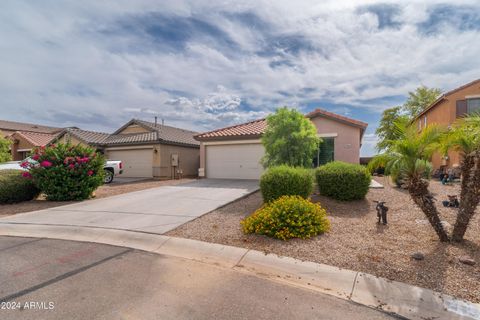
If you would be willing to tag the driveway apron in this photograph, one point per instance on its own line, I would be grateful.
(155, 210)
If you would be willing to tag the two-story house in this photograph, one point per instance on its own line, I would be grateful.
(445, 110)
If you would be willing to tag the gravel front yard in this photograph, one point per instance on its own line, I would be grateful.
(104, 191)
(356, 242)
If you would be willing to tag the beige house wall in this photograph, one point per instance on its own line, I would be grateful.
(134, 128)
(5, 132)
(347, 138)
(161, 161)
(73, 140)
(20, 148)
(189, 161)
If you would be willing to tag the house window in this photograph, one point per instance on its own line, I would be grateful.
(425, 121)
(461, 108)
(473, 105)
(326, 152)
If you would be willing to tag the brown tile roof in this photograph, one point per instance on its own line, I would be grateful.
(443, 96)
(132, 138)
(35, 138)
(89, 137)
(169, 134)
(327, 114)
(20, 126)
(159, 134)
(252, 129)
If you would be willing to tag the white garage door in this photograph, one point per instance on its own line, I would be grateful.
(137, 163)
(234, 161)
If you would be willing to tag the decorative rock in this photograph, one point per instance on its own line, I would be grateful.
(467, 260)
(445, 224)
(421, 221)
(418, 256)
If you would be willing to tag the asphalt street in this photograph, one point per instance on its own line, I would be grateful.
(56, 279)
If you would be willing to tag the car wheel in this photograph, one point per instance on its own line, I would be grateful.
(108, 176)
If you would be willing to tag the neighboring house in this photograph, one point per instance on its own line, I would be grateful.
(146, 149)
(26, 136)
(235, 152)
(445, 110)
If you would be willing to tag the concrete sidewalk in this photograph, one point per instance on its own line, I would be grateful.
(155, 210)
(390, 296)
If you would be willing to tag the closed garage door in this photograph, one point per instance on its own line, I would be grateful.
(137, 163)
(235, 161)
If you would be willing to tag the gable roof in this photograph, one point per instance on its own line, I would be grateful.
(86, 136)
(166, 134)
(249, 130)
(163, 134)
(444, 96)
(27, 127)
(333, 116)
(132, 138)
(254, 129)
(34, 138)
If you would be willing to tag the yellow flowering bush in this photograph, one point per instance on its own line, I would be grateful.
(288, 217)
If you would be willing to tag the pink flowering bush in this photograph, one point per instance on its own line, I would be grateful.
(66, 172)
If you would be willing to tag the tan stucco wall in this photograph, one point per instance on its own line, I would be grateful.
(347, 138)
(5, 132)
(134, 128)
(444, 114)
(73, 140)
(189, 161)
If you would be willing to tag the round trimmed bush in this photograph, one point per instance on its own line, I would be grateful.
(16, 188)
(65, 172)
(343, 181)
(288, 217)
(284, 180)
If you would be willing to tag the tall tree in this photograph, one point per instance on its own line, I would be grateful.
(5, 154)
(464, 137)
(386, 131)
(408, 157)
(417, 101)
(420, 99)
(289, 139)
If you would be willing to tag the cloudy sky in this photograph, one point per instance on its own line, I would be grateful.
(205, 64)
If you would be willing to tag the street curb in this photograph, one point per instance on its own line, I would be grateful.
(390, 296)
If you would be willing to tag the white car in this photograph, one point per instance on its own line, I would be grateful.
(112, 168)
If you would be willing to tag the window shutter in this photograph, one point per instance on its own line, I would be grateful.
(461, 108)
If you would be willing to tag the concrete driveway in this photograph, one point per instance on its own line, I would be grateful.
(155, 210)
(77, 280)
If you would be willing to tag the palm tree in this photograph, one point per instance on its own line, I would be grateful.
(409, 159)
(464, 137)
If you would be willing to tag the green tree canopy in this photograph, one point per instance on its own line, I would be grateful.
(386, 131)
(417, 101)
(420, 99)
(5, 154)
(289, 139)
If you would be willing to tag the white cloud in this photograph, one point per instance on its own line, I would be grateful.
(79, 63)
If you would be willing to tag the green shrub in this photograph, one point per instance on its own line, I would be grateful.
(284, 180)
(343, 181)
(288, 217)
(16, 188)
(65, 172)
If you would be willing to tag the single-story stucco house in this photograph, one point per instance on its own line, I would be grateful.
(26, 136)
(147, 149)
(235, 152)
